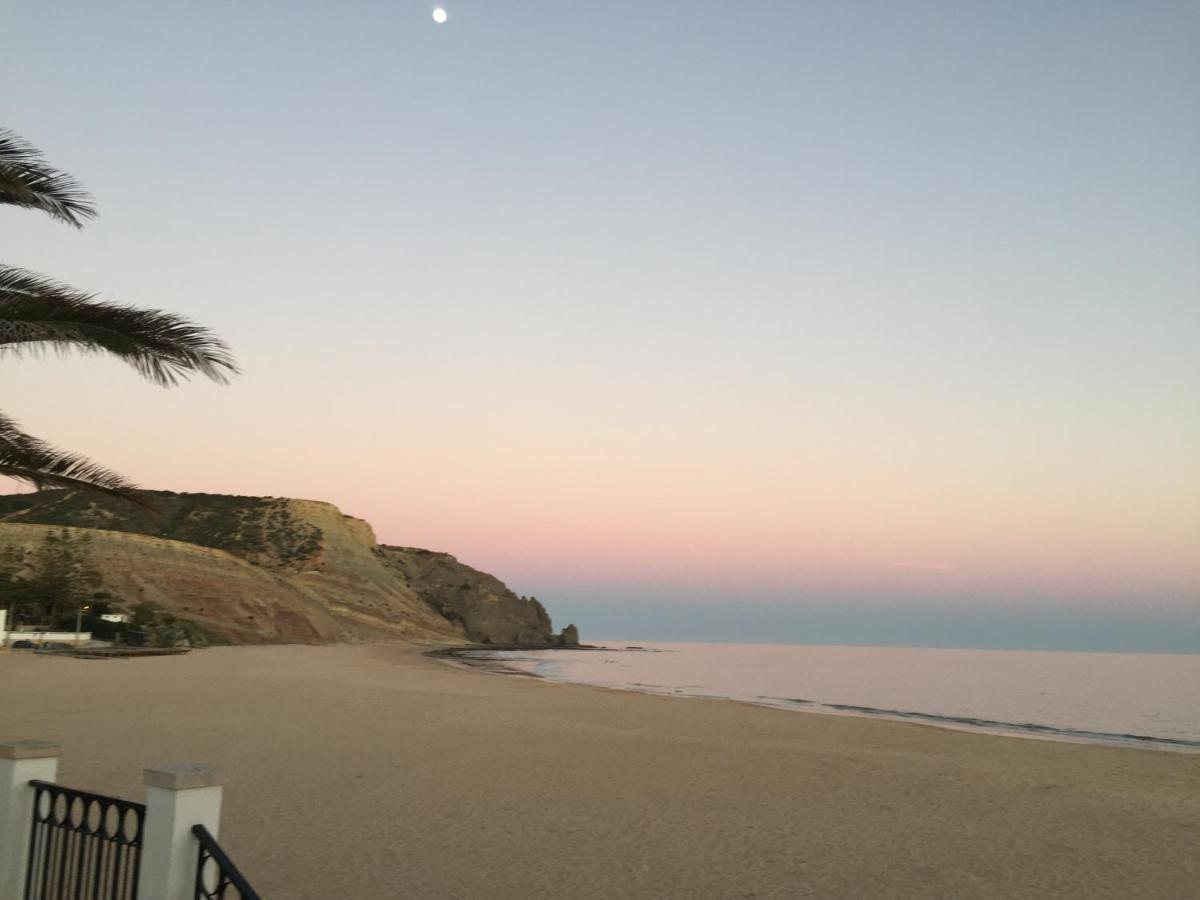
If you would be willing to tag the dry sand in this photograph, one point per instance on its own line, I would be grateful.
(372, 772)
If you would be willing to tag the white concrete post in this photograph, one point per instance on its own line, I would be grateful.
(20, 763)
(177, 797)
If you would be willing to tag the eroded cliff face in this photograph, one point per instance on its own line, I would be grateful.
(269, 570)
(487, 610)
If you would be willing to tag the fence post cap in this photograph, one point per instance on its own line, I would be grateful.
(183, 776)
(29, 750)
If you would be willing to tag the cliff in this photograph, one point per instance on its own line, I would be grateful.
(487, 610)
(272, 570)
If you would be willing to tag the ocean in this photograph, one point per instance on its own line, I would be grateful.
(1146, 700)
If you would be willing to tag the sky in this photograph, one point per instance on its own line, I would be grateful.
(864, 322)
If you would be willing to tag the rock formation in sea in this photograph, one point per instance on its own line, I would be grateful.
(274, 570)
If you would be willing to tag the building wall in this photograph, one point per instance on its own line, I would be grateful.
(65, 637)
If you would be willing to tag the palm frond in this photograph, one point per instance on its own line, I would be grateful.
(26, 179)
(38, 312)
(36, 462)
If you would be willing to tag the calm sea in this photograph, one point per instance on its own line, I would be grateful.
(1145, 700)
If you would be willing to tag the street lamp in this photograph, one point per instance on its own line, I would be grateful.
(79, 620)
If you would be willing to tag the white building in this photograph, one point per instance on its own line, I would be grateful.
(39, 637)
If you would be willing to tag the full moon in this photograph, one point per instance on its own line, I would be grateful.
(439, 15)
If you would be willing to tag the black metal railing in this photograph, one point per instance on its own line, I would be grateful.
(217, 878)
(83, 846)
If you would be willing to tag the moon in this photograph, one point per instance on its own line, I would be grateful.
(439, 15)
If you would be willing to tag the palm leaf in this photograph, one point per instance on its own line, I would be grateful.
(35, 462)
(26, 179)
(38, 312)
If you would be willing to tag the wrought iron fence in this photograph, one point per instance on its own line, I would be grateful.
(217, 878)
(83, 846)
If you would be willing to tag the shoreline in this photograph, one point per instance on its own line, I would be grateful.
(393, 775)
(965, 724)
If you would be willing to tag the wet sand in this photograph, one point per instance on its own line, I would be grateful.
(374, 772)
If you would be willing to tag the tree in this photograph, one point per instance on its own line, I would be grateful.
(38, 313)
(64, 576)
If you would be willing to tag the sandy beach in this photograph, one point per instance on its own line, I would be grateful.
(371, 771)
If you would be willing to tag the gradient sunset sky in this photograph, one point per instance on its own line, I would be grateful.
(802, 321)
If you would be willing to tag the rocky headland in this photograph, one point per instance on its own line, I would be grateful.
(260, 570)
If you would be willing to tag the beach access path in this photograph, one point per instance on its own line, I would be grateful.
(371, 771)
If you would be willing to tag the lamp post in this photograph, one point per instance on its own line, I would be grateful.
(79, 620)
